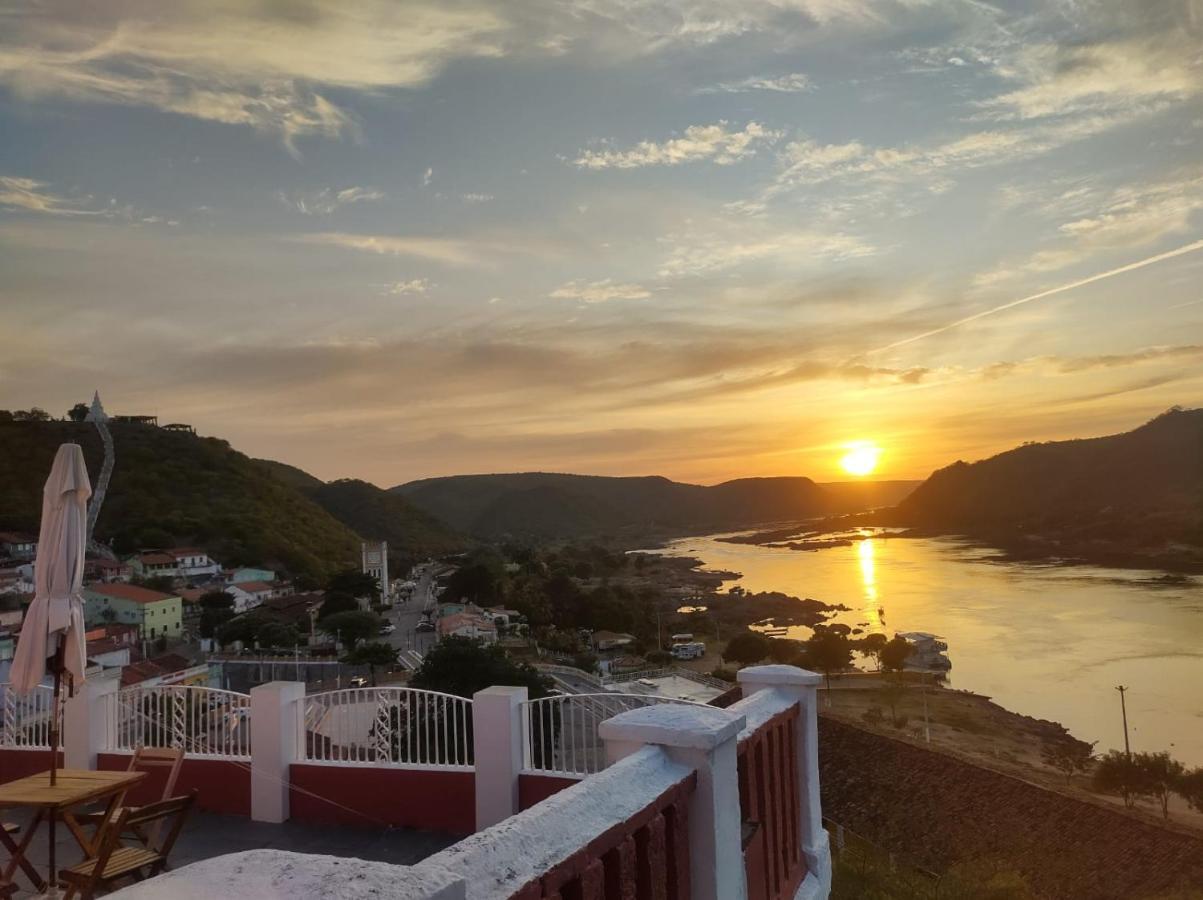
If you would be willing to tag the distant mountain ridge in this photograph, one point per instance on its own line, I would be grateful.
(1120, 498)
(556, 505)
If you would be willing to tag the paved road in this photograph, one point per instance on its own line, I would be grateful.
(407, 615)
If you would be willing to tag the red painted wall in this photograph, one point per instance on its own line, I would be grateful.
(534, 789)
(222, 785)
(370, 796)
(16, 764)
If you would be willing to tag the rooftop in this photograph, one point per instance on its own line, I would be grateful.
(206, 835)
(129, 592)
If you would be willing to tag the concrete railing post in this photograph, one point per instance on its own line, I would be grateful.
(804, 686)
(706, 740)
(274, 728)
(85, 722)
(497, 752)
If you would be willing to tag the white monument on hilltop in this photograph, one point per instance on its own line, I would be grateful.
(375, 563)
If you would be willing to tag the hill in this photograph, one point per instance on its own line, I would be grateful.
(412, 533)
(170, 488)
(1132, 498)
(548, 505)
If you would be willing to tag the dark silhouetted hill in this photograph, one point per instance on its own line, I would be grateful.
(547, 505)
(1121, 498)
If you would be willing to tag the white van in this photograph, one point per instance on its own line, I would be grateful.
(694, 650)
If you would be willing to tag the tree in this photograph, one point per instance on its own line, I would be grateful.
(354, 583)
(783, 651)
(276, 634)
(33, 414)
(463, 666)
(828, 651)
(1116, 773)
(895, 653)
(212, 619)
(78, 412)
(352, 627)
(872, 645)
(1068, 755)
(891, 692)
(335, 603)
(746, 648)
(1190, 788)
(372, 654)
(216, 600)
(241, 628)
(1159, 776)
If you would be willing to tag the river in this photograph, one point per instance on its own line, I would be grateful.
(1049, 641)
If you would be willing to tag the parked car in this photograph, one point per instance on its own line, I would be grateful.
(358, 681)
(388, 628)
(693, 650)
(424, 626)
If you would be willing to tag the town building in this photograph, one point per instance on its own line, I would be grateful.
(470, 625)
(611, 640)
(247, 573)
(156, 614)
(192, 562)
(154, 564)
(18, 545)
(249, 594)
(108, 570)
(375, 563)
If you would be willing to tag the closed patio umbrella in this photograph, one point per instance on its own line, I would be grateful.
(53, 630)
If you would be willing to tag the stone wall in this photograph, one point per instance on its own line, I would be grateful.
(938, 810)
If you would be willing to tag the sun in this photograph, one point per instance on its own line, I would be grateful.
(861, 458)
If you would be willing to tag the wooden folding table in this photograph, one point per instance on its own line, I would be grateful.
(72, 788)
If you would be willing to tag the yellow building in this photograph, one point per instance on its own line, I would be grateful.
(156, 614)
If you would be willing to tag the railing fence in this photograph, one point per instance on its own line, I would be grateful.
(560, 732)
(27, 717)
(386, 726)
(201, 721)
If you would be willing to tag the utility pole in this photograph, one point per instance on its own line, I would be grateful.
(926, 723)
(1124, 709)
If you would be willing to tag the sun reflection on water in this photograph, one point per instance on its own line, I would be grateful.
(868, 577)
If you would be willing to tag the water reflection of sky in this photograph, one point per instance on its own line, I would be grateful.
(1048, 641)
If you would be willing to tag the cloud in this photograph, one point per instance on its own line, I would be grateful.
(480, 252)
(599, 291)
(716, 143)
(327, 200)
(29, 195)
(413, 286)
(793, 83)
(1111, 77)
(239, 63)
(476, 197)
(738, 244)
(427, 176)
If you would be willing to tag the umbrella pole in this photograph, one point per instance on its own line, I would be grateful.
(55, 709)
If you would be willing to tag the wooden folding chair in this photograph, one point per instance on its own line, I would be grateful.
(148, 759)
(114, 861)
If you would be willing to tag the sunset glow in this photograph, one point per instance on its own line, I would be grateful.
(861, 459)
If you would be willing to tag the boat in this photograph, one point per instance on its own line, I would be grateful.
(928, 655)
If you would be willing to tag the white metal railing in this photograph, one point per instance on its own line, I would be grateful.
(201, 721)
(688, 674)
(560, 732)
(26, 721)
(386, 726)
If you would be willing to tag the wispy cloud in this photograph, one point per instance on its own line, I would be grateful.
(716, 143)
(1041, 295)
(413, 286)
(599, 291)
(31, 195)
(793, 83)
(696, 253)
(472, 252)
(327, 200)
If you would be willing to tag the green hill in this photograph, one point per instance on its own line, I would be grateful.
(172, 489)
(1125, 498)
(546, 505)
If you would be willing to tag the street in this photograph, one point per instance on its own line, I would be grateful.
(406, 616)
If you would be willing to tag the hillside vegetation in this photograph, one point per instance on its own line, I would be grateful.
(171, 489)
(545, 505)
(1124, 498)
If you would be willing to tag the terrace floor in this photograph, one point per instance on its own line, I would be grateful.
(207, 834)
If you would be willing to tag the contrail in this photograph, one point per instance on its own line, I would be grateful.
(1130, 267)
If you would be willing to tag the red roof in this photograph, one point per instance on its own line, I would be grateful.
(108, 564)
(157, 559)
(254, 587)
(187, 551)
(16, 537)
(130, 592)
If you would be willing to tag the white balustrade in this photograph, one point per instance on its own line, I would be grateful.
(387, 726)
(26, 721)
(560, 732)
(202, 721)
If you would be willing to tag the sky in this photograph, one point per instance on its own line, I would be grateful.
(704, 239)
